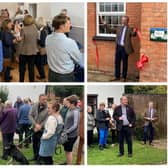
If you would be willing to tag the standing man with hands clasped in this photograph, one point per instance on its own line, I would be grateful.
(38, 115)
(150, 118)
(125, 118)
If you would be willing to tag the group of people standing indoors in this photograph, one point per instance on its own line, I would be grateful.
(121, 120)
(44, 118)
(35, 43)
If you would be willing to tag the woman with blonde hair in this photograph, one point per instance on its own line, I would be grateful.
(50, 134)
(41, 58)
(28, 50)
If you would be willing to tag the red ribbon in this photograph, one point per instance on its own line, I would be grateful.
(97, 54)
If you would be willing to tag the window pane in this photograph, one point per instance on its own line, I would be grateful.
(101, 6)
(108, 7)
(120, 7)
(114, 7)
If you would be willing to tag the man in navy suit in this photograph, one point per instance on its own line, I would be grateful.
(125, 118)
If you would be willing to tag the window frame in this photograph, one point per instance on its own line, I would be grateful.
(107, 14)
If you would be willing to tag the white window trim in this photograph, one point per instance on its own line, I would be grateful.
(106, 14)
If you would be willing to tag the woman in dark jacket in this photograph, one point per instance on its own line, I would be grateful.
(102, 119)
(8, 41)
(41, 58)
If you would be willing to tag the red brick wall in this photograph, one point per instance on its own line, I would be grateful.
(107, 48)
(153, 15)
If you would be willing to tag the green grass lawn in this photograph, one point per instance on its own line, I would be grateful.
(142, 154)
(58, 158)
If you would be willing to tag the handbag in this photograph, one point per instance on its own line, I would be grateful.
(63, 138)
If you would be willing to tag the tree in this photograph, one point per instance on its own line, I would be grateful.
(64, 91)
(146, 89)
(4, 93)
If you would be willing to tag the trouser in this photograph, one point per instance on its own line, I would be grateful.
(39, 65)
(148, 133)
(121, 55)
(103, 136)
(7, 140)
(90, 137)
(6, 69)
(36, 143)
(114, 136)
(23, 60)
(125, 133)
(56, 77)
(24, 128)
(46, 160)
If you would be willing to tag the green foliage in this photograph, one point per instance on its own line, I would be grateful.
(142, 154)
(64, 91)
(146, 89)
(4, 93)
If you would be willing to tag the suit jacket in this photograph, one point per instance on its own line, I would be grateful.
(130, 116)
(127, 39)
(101, 116)
(36, 117)
(146, 114)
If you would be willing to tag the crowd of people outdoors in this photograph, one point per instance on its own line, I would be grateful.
(120, 120)
(34, 42)
(39, 123)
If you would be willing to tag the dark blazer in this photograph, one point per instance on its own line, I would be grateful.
(101, 121)
(7, 43)
(130, 116)
(127, 40)
(43, 35)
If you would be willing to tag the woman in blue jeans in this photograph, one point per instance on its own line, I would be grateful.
(102, 120)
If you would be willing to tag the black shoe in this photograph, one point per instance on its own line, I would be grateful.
(129, 155)
(101, 147)
(26, 146)
(120, 155)
(4, 157)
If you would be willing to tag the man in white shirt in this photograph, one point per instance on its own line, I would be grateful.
(62, 52)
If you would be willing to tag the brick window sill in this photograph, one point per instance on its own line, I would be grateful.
(103, 38)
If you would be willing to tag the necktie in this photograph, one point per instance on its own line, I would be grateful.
(120, 36)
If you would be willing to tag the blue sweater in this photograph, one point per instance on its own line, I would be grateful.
(23, 114)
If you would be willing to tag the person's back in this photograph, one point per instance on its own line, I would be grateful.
(62, 53)
(29, 43)
(23, 114)
(8, 120)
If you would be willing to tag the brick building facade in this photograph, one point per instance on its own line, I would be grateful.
(142, 16)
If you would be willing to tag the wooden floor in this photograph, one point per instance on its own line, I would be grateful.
(15, 74)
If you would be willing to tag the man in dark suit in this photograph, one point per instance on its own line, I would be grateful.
(151, 119)
(123, 47)
(125, 118)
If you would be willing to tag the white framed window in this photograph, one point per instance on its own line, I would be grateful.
(111, 13)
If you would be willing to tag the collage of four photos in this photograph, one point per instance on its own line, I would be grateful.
(83, 83)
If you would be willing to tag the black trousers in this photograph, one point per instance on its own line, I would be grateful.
(36, 143)
(56, 77)
(121, 55)
(23, 61)
(24, 129)
(149, 133)
(114, 136)
(90, 137)
(7, 140)
(125, 133)
(46, 160)
(39, 65)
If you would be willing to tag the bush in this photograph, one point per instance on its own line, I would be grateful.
(3, 93)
